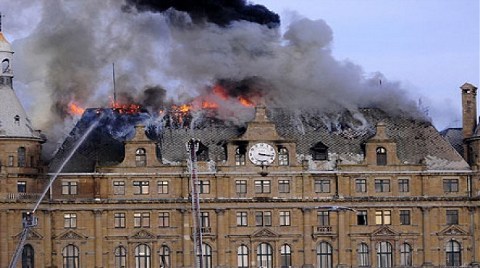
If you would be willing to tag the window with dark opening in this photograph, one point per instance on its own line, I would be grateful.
(319, 151)
(381, 156)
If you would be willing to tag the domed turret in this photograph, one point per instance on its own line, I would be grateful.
(6, 55)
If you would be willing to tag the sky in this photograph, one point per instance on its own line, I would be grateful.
(431, 46)
(425, 49)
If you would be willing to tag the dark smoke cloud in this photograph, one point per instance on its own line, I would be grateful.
(220, 12)
(68, 56)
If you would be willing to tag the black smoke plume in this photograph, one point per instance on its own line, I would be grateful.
(220, 12)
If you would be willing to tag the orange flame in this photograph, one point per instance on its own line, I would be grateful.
(245, 102)
(220, 92)
(75, 109)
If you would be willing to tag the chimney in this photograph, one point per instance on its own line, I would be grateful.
(469, 109)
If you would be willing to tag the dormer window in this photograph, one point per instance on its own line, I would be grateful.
(283, 156)
(5, 66)
(140, 157)
(202, 153)
(319, 151)
(240, 156)
(16, 119)
(381, 156)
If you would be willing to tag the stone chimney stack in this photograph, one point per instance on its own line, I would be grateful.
(469, 109)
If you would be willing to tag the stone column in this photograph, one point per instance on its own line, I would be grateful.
(47, 240)
(221, 246)
(475, 236)
(307, 237)
(4, 239)
(427, 254)
(187, 246)
(98, 238)
(341, 234)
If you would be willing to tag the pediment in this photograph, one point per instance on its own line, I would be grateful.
(71, 235)
(143, 234)
(265, 233)
(452, 231)
(384, 231)
(32, 235)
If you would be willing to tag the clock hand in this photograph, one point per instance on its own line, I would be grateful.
(262, 154)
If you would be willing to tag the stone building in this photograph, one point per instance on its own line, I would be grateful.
(359, 190)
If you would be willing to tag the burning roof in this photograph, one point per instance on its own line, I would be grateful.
(343, 133)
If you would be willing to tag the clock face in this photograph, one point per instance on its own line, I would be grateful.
(262, 154)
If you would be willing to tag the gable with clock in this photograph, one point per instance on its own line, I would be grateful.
(262, 142)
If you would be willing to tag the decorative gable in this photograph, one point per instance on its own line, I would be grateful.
(264, 233)
(71, 235)
(142, 234)
(452, 231)
(384, 231)
(32, 235)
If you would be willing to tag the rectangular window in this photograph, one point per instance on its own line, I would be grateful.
(163, 219)
(362, 218)
(204, 187)
(119, 220)
(322, 186)
(70, 220)
(452, 217)
(118, 187)
(450, 185)
(383, 217)
(205, 219)
(323, 218)
(405, 217)
(263, 218)
(22, 187)
(10, 160)
(361, 185)
(242, 218)
(284, 218)
(262, 186)
(403, 185)
(284, 186)
(163, 187)
(69, 187)
(141, 219)
(241, 187)
(140, 187)
(382, 185)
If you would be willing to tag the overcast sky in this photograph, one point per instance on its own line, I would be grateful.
(430, 46)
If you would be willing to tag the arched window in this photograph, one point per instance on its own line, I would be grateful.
(202, 153)
(28, 256)
(142, 256)
(283, 156)
(363, 255)
(324, 255)
(242, 257)
(5, 66)
(381, 156)
(319, 151)
(207, 256)
(165, 261)
(453, 253)
(384, 254)
(405, 255)
(285, 256)
(120, 257)
(71, 257)
(240, 156)
(22, 157)
(265, 255)
(140, 157)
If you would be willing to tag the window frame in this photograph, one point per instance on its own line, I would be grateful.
(263, 218)
(382, 186)
(405, 217)
(141, 219)
(450, 185)
(263, 186)
(361, 185)
(163, 219)
(70, 220)
(242, 218)
(163, 187)
(383, 217)
(141, 187)
(322, 185)
(120, 220)
(404, 185)
(118, 187)
(452, 216)
(69, 187)
(285, 218)
(284, 186)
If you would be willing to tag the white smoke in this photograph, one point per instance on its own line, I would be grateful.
(67, 54)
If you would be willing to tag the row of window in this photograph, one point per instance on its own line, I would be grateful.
(262, 218)
(21, 159)
(383, 185)
(264, 254)
(261, 186)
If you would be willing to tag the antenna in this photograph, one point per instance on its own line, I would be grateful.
(114, 88)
